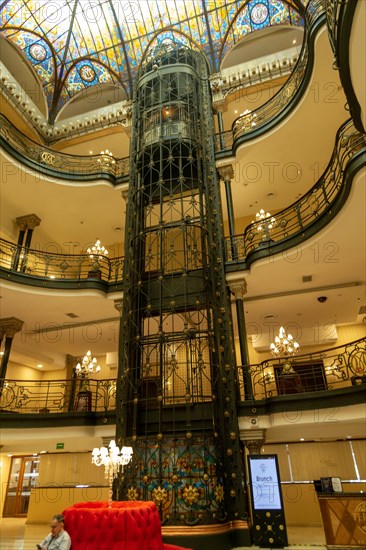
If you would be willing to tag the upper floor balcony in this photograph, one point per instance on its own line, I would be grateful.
(327, 379)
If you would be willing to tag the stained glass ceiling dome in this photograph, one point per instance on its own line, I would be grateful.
(73, 45)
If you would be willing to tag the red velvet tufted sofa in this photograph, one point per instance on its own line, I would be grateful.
(124, 526)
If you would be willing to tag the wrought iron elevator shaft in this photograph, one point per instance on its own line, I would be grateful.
(177, 380)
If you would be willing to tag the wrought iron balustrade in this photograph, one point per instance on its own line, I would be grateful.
(56, 396)
(331, 369)
(301, 215)
(44, 265)
(270, 110)
(75, 167)
(224, 141)
(290, 222)
(332, 10)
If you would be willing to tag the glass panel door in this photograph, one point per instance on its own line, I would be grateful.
(23, 476)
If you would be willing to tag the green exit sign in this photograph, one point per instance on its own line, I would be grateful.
(60, 445)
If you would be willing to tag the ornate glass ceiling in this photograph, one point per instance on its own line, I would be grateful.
(75, 44)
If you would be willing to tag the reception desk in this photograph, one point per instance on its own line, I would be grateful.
(344, 519)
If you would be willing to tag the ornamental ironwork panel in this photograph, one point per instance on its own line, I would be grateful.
(177, 381)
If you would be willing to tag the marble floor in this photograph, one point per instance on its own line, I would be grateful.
(15, 534)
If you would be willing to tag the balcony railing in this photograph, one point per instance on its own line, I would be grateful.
(340, 15)
(337, 368)
(44, 265)
(57, 396)
(332, 369)
(297, 219)
(293, 222)
(62, 165)
(258, 118)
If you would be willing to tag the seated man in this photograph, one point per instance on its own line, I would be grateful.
(58, 539)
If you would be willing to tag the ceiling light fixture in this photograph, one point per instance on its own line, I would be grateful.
(113, 459)
(88, 365)
(106, 157)
(285, 346)
(97, 250)
(265, 222)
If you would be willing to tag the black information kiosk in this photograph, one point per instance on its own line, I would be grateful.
(269, 524)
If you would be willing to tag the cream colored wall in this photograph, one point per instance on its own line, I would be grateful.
(46, 502)
(20, 372)
(300, 463)
(351, 333)
(59, 475)
(60, 469)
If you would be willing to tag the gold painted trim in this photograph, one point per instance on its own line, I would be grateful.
(200, 530)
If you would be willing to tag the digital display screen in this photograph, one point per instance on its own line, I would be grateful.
(265, 483)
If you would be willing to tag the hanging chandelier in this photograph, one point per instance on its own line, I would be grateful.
(112, 459)
(106, 157)
(285, 346)
(88, 365)
(97, 250)
(267, 221)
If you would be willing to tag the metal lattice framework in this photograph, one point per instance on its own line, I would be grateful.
(177, 376)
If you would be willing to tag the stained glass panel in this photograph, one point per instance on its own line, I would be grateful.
(116, 33)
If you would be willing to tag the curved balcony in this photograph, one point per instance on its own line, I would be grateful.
(61, 165)
(332, 369)
(37, 268)
(90, 168)
(317, 380)
(311, 212)
(340, 17)
(254, 123)
(292, 226)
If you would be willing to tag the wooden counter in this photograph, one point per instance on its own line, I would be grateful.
(344, 519)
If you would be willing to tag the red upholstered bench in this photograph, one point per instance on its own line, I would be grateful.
(125, 526)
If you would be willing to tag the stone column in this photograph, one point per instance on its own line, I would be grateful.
(70, 363)
(239, 289)
(22, 229)
(29, 222)
(226, 173)
(8, 328)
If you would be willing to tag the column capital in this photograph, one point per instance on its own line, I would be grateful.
(238, 288)
(253, 439)
(226, 172)
(219, 102)
(118, 305)
(10, 326)
(30, 221)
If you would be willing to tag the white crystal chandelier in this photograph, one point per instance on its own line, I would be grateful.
(267, 221)
(112, 458)
(284, 346)
(97, 250)
(88, 365)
